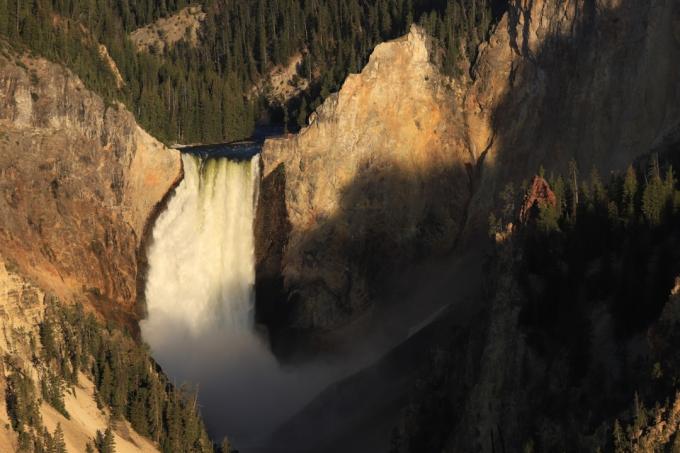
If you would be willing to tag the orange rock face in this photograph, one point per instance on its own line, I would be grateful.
(405, 162)
(79, 182)
(378, 177)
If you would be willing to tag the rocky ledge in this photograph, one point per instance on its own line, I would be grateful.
(378, 178)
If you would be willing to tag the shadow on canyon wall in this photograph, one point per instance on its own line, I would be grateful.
(387, 220)
(580, 96)
(600, 90)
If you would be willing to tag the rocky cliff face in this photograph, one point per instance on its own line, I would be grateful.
(80, 181)
(403, 161)
(378, 178)
(589, 81)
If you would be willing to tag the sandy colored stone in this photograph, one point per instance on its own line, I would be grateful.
(379, 174)
(404, 162)
(79, 180)
(168, 31)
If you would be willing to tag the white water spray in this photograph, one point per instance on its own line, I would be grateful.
(200, 305)
(201, 262)
(200, 299)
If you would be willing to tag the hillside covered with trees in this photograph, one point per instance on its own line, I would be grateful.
(128, 386)
(578, 339)
(200, 93)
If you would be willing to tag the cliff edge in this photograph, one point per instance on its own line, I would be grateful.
(80, 182)
(405, 162)
(378, 178)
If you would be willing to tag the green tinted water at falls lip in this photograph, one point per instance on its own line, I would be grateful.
(200, 287)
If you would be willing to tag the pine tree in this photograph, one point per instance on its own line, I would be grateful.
(262, 53)
(509, 208)
(574, 187)
(108, 445)
(630, 190)
(654, 195)
(639, 413)
(20, 399)
(302, 114)
(548, 218)
(225, 446)
(105, 442)
(47, 337)
(58, 440)
(598, 191)
(619, 437)
(4, 17)
(560, 194)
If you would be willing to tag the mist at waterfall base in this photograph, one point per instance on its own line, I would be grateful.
(200, 304)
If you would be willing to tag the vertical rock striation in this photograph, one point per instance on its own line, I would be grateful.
(79, 180)
(592, 81)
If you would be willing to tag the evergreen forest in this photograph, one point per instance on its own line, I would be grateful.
(129, 385)
(193, 94)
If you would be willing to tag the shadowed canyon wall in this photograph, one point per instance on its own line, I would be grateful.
(79, 183)
(404, 163)
(378, 178)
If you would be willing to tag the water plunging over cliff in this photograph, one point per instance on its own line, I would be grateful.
(200, 303)
(201, 272)
(200, 298)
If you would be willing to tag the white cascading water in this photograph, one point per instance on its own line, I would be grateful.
(200, 301)
(200, 306)
(201, 262)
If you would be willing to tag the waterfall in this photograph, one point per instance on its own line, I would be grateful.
(201, 261)
(200, 305)
(200, 295)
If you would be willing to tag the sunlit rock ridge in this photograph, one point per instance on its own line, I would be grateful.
(365, 182)
(404, 162)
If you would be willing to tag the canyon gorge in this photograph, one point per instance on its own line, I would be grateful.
(346, 287)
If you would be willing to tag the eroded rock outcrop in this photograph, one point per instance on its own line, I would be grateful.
(166, 32)
(79, 181)
(538, 195)
(380, 176)
(283, 82)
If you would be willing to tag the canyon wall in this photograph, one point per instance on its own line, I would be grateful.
(377, 179)
(589, 81)
(404, 162)
(80, 181)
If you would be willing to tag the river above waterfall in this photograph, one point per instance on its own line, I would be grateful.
(238, 151)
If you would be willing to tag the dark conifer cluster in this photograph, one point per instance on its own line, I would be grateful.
(127, 381)
(585, 310)
(201, 93)
(23, 409)
(599, 266)
(610, 242)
